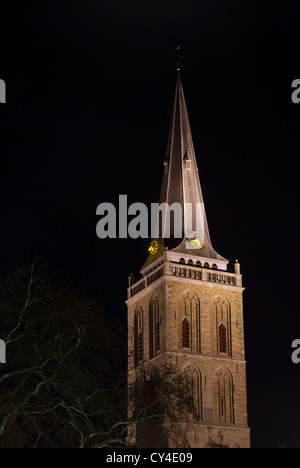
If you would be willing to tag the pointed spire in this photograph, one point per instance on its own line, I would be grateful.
(181, 184)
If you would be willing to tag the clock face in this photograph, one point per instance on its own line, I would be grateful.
(195, 240)
(153, 249)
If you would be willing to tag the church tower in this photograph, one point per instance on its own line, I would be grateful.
(187, 309)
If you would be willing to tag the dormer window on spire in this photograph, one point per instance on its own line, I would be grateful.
(167, 162)
(188, 161)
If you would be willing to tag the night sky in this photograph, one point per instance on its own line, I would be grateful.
(90, 88)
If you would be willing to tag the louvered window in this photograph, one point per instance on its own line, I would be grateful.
(140, 347)
(157, 341)
(185, 334)
(222, 339)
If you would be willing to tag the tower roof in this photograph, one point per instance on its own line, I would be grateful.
(181, 184)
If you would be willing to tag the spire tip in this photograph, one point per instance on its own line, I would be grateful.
(179, 58)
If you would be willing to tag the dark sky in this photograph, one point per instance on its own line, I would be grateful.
(90, 87)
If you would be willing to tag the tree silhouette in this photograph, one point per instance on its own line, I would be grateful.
(63, 384)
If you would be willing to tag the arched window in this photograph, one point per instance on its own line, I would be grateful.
(186, 334)
(214, 267)
(198, 264)
(194, 397)
(138, 336)
(190, 262)
(206, 265)
(224, 403)
(222, 339)
(182, 261)
(191, 313)
(155, 325)
(223, 327)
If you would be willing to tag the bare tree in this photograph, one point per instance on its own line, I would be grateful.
(65, 381)
(63, 384)
(159, 397)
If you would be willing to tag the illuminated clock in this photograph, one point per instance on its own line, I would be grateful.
(153, 249)
(195, 240)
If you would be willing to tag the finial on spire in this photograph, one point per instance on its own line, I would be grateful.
(179, 58)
